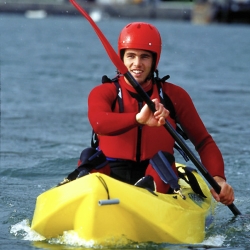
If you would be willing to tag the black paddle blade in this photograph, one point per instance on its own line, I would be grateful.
(162, 166)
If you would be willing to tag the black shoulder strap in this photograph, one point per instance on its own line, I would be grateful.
(166, 101)
(115, 80)
(119, 96)
(105, 79)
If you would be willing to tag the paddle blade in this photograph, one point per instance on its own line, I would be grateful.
(109, 49)
(164, 169)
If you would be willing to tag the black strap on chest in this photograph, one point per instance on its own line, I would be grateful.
(105, 79)
(168, 104)
(165, 100)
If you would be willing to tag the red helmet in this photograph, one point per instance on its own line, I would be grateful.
(140, 35)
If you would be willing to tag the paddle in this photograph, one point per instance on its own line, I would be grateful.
(123, 70)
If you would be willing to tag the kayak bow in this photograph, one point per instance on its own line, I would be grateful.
(106, 211)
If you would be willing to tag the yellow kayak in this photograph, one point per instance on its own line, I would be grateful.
(106, 211)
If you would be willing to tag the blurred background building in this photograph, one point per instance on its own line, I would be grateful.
(197, 11)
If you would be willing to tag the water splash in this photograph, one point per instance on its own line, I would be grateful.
(22, 229)
(71, 238)
(215, 241)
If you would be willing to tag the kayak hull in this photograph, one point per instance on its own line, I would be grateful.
(106, 211)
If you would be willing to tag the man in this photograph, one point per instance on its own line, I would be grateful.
(131, 137)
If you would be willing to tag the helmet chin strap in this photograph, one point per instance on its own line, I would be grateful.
(153, 69)
(150, 77)
(152, 72)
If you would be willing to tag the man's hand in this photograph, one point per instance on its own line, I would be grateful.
(147, 117)
(226, 195)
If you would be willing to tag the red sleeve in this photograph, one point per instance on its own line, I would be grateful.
(101, 117)
(190, 121)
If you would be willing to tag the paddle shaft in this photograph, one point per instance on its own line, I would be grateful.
(180, 141)
(123, 70)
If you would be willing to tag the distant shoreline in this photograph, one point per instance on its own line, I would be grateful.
(197, 11)
(170, 10)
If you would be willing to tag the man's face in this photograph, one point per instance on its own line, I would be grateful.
(139, 63)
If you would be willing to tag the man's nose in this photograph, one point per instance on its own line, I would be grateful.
(137, 61)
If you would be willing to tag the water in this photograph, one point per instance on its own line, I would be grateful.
(48, 67)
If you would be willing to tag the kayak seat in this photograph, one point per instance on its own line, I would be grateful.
(146, 182)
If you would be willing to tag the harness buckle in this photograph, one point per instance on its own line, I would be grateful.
(179, 192)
